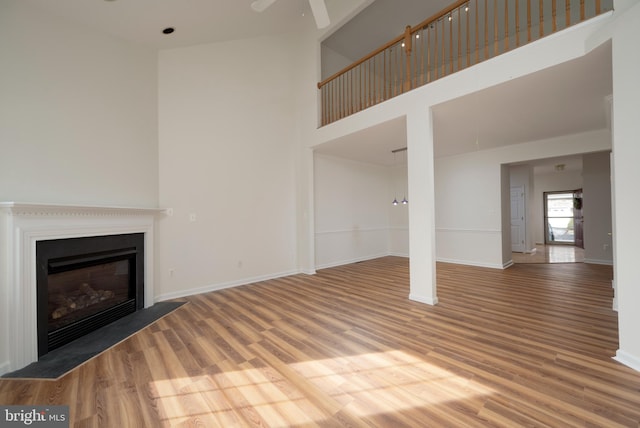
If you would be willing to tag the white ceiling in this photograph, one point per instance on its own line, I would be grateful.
(195, 21)
(565, 99)
(206, 21)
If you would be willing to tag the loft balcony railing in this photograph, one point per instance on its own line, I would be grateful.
(460, 36)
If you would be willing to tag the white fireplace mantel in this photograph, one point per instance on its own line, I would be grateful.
(21, 226)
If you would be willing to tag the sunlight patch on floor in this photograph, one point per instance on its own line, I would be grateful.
(364, 385)
(219, 399)
(391, 381)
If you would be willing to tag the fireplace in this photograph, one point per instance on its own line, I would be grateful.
(85, 283)
(22, 227)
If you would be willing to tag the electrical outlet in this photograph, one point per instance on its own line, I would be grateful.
(192, 217)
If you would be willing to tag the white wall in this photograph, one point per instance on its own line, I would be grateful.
(398, 214)
(78, 118)
(352, 210)
(78, 113)
(597, 208)
(227, 153)
(469, 195)
(332, 61)
(468, 210)
(354, 215)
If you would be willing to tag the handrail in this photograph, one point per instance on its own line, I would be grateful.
(432, 49)
(393, 42)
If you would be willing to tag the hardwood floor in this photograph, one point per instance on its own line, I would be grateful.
(527, 346)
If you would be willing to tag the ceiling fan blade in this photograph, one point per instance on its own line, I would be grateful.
(320, 13)
(261, 5)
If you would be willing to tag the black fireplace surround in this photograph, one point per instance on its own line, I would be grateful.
(86, 283)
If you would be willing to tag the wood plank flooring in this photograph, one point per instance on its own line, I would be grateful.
(527, 346)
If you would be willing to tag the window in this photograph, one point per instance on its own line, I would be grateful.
(558, 217)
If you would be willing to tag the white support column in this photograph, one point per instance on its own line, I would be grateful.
(422, 238)
(626, 176)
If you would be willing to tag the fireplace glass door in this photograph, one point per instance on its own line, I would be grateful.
(86, 283)
(80, 293)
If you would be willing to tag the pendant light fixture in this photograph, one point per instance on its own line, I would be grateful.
(395, 200)
(404, 198)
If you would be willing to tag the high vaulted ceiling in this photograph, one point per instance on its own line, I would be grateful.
(566, 99)
(195, 21)
(206, 21)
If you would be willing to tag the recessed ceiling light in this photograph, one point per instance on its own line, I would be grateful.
(167, 30)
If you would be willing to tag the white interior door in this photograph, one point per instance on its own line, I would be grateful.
(517, 219)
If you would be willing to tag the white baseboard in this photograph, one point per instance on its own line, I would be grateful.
(599, 262)
(507, 264)
(627, 359)
(423, 299)
(221, 286)
(245, 281)
(405, 255)
(468, 263)
(349, 261)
